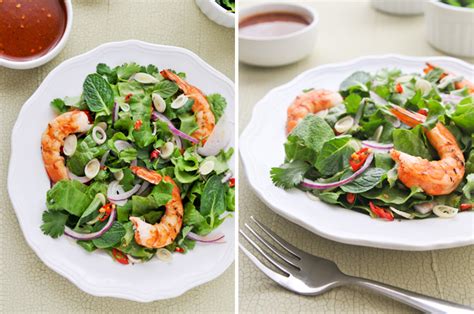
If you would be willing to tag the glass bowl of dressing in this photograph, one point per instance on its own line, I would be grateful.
(276, 34)
(33, 32)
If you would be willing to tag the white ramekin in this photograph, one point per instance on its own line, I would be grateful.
(281, 50)
(400, 7)
(34, 63)
(216, 13)
(450, 29)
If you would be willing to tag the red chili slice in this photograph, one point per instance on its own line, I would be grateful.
(423, 111)
(119, 256)
(127, 97)
(399, 88)
(179, 249)
(350, 197)
(107, 210)
(154, 154)
(357, 159)
(464, 207)
(231, 182)
(138, 125)
(381, 212)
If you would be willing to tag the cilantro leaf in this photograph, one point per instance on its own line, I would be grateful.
(59, 106)
(290, 174)
(218, 105)
(53, 223)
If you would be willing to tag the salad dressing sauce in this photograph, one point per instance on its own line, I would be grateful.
(30, 28)
(272, 24)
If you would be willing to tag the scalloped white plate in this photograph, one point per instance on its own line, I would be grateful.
(261, 148)
(28, 183)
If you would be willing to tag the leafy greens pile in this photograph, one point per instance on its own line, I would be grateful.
(113, 97)
(316, 152)
(460, 3)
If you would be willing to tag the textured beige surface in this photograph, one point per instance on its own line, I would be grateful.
(347, 29)
(26, 284)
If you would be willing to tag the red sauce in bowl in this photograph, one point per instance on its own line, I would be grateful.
(272, 24)
(30, 28)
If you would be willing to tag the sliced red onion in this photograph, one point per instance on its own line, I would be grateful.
(214, 238)
(322, 186)
(134, 163)
(90, 236)
(114, 194)
(452, 99)
(172, 128)
(104, 158)
(115, 113)
(144, 186)
(72, 176)
(377, 146)
(227, 176)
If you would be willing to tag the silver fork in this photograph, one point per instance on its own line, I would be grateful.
(307, 274)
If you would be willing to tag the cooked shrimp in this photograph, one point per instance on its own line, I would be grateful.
(439, 177)
(53, 139)
(163, 233)
(310, 102)
(201, 108)
(458, 85)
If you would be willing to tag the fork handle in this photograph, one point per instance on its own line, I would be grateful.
(413, 299)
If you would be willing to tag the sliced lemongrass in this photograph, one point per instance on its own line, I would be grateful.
(402, 213)
(92, 168)
(124, 107)
(179, 102)
(444, 211)
(98, 135)
(158, 102)
(344, 124)
(145, 78)
(164, 255)
(322, 114)
(378, 133)
(167, 150)
(424, 208)
(102, 125)
(70, 145)
(118, 175)
(423, 85)
(404, 79)
(206, 167)
(102, 198)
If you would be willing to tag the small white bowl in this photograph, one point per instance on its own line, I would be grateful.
(216, 13)
(400, 7)
(450, 29)
(40, 60)
(281, 50)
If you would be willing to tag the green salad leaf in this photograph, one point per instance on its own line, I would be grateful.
(98, 95)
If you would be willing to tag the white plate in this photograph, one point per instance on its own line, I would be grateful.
(261, 148)
(28, 183)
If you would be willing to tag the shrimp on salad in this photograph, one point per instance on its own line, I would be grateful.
(438, 177)
(458, 85)
(310, 102)
(201, 108)
(53, 140)
(165, 232)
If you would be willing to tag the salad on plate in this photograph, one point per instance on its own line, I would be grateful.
(388, 144)
(138, 165)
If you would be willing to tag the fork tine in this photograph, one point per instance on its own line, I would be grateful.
(280, 279)
(290, 248)
(291, 261)
(269, 258)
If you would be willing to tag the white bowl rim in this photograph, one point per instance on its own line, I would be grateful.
(66, 272)
(313, 12)
(451, 7)
(36, 62)
(343, 238)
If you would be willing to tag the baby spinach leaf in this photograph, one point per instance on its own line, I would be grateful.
(97, 94)
(166, 88)
(334, 155)
(296, 150)
(463, 116)
(213, 198)
(111, 238)
(359, 78)
(290, 174)
(352, 103)
(411, 142)
(468, 189)
(313, 131)
(366, 181)
(162, 193)
(193, 217)
(394, 196)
